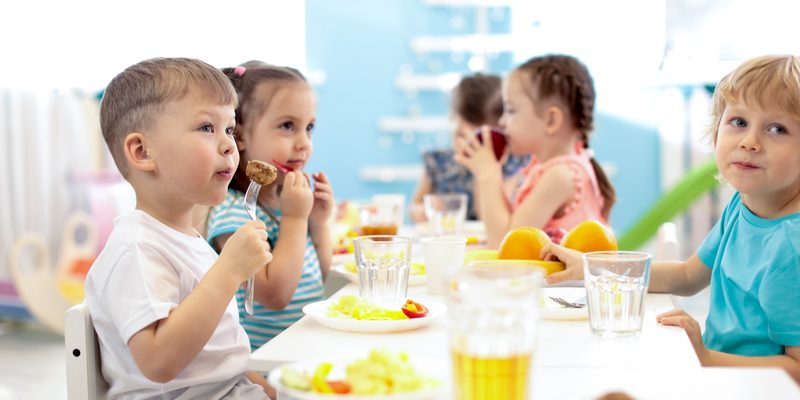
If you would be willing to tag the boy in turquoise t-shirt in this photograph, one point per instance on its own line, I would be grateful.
(751, 257)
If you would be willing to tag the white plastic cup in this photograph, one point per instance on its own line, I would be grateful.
(443, 256)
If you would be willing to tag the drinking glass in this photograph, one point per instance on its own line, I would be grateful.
(380, 219)
(494, 312)
(383, 262)
(445, 212)
(616, 284)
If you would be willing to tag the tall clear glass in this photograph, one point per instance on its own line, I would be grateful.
(616, 285)
(383, 263)
(494, 313)
(446, 213)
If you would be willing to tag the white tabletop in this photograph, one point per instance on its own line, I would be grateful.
(560, 343)
(664, 383)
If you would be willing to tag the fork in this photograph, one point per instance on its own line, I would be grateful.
(580, 303)
(250, 199)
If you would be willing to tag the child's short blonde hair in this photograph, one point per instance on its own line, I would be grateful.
(766, 81)
(135, 97)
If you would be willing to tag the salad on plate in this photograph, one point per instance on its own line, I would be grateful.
(381, 374)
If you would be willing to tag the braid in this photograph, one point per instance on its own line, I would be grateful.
(565, 79)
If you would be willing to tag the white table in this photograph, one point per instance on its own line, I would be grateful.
(664, 383)
(560, 343)
(569, 363)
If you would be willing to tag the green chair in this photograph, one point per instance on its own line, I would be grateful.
(697, 182)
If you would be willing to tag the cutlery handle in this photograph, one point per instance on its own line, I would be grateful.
(248, 295)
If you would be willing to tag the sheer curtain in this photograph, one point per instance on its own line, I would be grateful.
(46, 139)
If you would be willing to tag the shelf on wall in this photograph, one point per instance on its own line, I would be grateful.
(468, 3)
(441, 82)
(415, 124)
(391, 173)
(476, 43)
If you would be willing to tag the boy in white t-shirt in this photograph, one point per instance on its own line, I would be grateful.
(161, 300)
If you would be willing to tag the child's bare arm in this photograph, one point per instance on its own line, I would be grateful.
(276, 284)
(554, 189)
(164, 348)
(683, 278)
(319, 221)
(789, 361)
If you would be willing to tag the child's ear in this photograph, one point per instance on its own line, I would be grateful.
(136, 153)
(554, 119)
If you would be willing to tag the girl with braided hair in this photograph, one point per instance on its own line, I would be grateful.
(548, 113)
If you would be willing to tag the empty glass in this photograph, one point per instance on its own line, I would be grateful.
(616, 284)
(383, 262)
(445, 212)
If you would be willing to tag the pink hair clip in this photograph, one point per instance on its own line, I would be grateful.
(239, 71)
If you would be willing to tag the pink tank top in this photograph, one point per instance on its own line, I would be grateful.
(588, 201)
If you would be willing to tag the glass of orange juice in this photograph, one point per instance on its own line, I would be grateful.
(494, 313)
(379, 219)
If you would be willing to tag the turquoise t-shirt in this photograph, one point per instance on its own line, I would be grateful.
(266, 323)
(755, 282)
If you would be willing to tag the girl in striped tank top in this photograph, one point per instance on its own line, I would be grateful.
(274, 121)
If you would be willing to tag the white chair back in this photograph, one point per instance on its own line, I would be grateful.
(84, 377)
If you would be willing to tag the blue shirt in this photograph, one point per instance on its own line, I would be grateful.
(266, 323)
(448, 176)
(755, 282)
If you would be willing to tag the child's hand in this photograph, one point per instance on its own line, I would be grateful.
(323, 200)
(678, 317)
(476, 156)
(247, 250)
(573, 260)
(296, 198)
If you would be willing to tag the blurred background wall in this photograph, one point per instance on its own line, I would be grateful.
(382, 70)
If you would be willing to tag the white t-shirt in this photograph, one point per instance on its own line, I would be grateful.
(145, 270)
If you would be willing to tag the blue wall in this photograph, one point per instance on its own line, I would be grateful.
(361, 46)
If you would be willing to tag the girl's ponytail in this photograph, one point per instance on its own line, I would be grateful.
(606, 189)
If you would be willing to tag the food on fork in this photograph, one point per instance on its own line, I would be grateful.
(260, 172)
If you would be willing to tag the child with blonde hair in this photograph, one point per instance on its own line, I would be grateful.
(751, 257)
(160, 298)
(274, 123)
(548, 113)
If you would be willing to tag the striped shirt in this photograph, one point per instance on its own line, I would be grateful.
(266, 323)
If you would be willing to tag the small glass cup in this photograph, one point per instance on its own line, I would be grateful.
(383, 263)
(494, 313)
(616, 283)
(445, 212)
(379, 219)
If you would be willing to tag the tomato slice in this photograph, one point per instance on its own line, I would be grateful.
(412, 309)
(340, 386)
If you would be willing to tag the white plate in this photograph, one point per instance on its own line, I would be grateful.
(554, 311)
(341, 259)
(319, 312)
(429, 367)
(413, 280)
